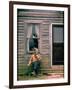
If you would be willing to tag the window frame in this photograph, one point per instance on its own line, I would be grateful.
(27, 39)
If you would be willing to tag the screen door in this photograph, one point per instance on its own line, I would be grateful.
(58, 44)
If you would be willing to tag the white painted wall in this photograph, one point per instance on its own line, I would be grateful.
(4, 45)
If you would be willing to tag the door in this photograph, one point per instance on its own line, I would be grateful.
(58, 44)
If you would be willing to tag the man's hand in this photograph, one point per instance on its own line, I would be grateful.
(28, 64)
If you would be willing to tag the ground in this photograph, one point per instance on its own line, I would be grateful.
(56, 71)
(45, 76)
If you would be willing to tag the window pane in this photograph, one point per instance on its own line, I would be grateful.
(57, 34)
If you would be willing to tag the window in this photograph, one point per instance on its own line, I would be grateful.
(32, 37)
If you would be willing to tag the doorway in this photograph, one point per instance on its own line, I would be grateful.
(58, 44)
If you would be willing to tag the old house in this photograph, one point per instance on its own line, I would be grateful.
(43, 30)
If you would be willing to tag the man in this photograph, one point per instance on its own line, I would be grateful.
(34, 63)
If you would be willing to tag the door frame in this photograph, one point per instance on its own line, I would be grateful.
(52, 40)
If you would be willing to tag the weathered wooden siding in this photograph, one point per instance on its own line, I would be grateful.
(44, 18)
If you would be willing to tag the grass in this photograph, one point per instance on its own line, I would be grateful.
(44, 68)
(24, 77)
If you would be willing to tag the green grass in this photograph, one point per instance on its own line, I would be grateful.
(24, 77)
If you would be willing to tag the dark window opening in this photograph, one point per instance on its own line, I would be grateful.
(33, 43)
